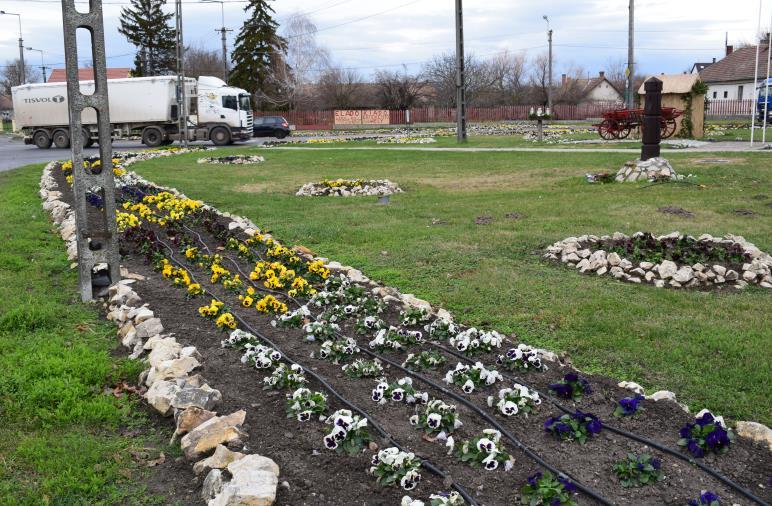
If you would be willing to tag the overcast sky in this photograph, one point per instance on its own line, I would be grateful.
(367, 35)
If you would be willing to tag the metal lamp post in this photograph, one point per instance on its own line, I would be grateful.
(549, 77)
(223, 31)
(42, 61)
(22, 73)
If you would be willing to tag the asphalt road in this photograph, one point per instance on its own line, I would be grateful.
(14, 153)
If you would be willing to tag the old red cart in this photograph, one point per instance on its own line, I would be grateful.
(619, 123)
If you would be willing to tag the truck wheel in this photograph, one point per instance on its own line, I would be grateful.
(88, 141)
(167, 142)
(220, 136)
(152, 137)
(41, 139)
(62, 139)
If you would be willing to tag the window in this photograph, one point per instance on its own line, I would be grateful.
(230, 103)
(715, 94)
(244, 103)
(739, 93)
(726, 94)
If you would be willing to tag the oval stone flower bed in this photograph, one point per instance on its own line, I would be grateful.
(357, 390)
(232, 160)
(349, 188)
(672, 260)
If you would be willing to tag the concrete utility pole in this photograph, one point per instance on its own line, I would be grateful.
(22, 70)
(182, 99)
(96, 236)
(631, 58)
(549, 77)
(43, 67)
(756, 78)
(460, 75)
(766, 87)
(223, 31)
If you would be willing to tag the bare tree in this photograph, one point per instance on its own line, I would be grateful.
(339, 89)
(616, 73)
(538, 78)
(202, 62)
(573, 89)
(440, 73)
(507, 78)
(10, 75)
(398, 90)
(305, 61)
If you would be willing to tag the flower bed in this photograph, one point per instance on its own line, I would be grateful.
(349, 188)
(406, 140)
(177, 243)
(672, 260)
(232, 160)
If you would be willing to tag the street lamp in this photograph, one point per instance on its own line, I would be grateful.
(549, 78)
(42, 61)
(223, 31)
(22, 76)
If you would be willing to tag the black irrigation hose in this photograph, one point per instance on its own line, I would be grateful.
(520, 445)
(530, 453)
(664, 449)
(731, 484)
(424, 463)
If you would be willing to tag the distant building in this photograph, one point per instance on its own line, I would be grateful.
(594, 89)
(732, 77)
(699, 67)
(60, 75)
(675, 90)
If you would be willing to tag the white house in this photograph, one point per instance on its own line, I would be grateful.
(732, 77)
(594, 89)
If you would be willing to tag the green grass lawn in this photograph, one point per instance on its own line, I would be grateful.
(713, 349)
(64, 438)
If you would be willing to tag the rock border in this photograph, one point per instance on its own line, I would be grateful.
(173, 389)
(581, 253)
(232, 160)
(347, 188)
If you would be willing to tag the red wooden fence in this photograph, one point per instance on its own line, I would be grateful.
(323, 120)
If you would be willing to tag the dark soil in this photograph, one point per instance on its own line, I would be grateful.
(760, 197)
(677, 211)
(483, 220)
(317, 476)
(744, 212)
(514, 216)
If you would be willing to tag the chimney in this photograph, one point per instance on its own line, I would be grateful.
(601, 74)
(563, 80)
(714, 60)
(729, 50)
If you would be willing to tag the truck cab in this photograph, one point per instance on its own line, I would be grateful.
(764, 99)
(224, 112)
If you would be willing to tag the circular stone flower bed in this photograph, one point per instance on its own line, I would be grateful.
(349, 188)
(672, 260)
(232, 160)
(406, 140)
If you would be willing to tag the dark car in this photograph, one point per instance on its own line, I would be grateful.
(271, 126)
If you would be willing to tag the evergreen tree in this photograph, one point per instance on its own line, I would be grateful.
(258, 55)
(146, 26)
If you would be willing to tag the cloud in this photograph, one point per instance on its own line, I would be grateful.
(670, 35)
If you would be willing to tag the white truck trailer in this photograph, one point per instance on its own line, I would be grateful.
(144, 107)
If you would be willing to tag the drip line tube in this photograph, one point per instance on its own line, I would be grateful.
(424, 462)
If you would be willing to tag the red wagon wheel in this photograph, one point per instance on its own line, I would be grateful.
(624, 132)
(668, 128)
(608, 129)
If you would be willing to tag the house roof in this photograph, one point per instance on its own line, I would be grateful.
(6, 104)
(587, 85)
(673, 83)
(701, 66)
(60, 75)
(739, 65)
